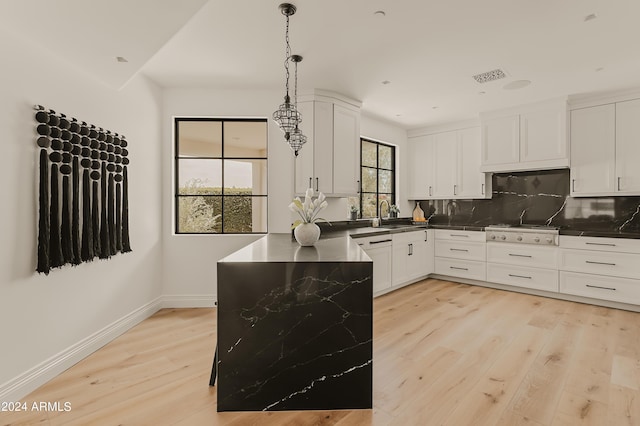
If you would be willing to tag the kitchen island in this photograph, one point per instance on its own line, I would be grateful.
(295, 326)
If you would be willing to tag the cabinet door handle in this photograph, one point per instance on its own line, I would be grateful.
(430, 191)
(603, 288)
(601, 244)
(519, 276)
(460, 269)
(359, 186)
(310, 182)
(482, 189)
(573, 185)
(600, 263)
(317, 184)
(455, 249)
(410, 249)
(618, 183)
(459, 235)
(426, 235)
(455, 187)
(519, 255)
(380, 241)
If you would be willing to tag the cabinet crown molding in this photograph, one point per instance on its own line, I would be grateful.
(441, 128)
(602, 98)
(328, 96)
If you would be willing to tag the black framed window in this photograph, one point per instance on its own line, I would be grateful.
(220, 176)
(377, 175)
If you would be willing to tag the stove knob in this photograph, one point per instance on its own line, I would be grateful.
(536, 239)
(549, 240)
(493, 237)
(519, 238)
(503, 237)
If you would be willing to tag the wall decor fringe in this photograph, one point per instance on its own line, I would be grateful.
(83, 205)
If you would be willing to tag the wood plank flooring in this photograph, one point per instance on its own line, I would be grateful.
(444, 354)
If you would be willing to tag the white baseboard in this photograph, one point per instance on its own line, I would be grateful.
(25, 383)
(189, 301)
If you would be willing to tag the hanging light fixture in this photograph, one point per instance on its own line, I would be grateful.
(296, 138)
(287, 115)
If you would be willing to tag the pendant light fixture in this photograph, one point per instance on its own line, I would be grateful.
(287, 115)
(296, 138)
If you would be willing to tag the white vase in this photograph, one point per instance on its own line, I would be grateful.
(307, 234)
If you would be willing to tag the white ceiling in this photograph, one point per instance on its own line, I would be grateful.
(427, 49)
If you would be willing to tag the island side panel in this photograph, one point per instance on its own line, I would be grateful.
(295, 336)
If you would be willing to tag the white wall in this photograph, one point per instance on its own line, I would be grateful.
(376, 129)
(189, 271)
(42, 316)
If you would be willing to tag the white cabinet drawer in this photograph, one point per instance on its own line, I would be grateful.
(374, 242)
(522, 254)
(522, 276)
(446, 234)
(602, 263)
(461, 268)
(461, 250)
(598, 287)
(625, 245)
(410, 236)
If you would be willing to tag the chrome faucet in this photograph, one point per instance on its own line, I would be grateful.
(380, 209)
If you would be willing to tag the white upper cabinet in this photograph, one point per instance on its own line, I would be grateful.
(470, 181)
(421, 161)
(605, 148)
(530, 137)
(329, 161)
(593, 133)
(628, 147)
(346, 153)
(447, 165)
(445, 151)
(501, 141)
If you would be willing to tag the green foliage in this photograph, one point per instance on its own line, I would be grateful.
(203, 213)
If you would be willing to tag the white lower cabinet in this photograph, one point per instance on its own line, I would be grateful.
(600, 268)
(412, 256)
(461, 254)
(470, 269)
(523, 265)
(379, 250)
(523, 276)
(615, 289)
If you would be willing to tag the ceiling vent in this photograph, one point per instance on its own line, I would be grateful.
(488, 76)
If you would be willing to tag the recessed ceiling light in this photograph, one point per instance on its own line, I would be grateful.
(590, 17)
(380, 13)
(386, 82)
(599, 69)
(435, 107)
(121, 59)
(398, 115)
(518, 84)
(482, 93)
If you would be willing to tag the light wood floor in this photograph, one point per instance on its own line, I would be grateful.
(444, 354)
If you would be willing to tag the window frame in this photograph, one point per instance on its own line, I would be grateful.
(222, 158)
(377, 169)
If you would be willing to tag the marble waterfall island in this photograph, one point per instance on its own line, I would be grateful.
(295, 326)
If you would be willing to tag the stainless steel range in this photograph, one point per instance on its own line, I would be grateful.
(523, 234)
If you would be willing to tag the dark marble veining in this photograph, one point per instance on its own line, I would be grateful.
(541, 198)
(295, 333)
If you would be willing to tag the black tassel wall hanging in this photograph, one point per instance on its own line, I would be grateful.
(126, 245)
(89, 217)
(43, 199)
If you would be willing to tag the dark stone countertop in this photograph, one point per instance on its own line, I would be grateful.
(284, 248)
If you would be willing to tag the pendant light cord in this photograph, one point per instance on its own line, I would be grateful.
(287, 56)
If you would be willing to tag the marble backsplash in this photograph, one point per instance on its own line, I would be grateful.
(539, 198)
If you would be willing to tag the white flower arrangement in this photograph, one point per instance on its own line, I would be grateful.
(308, 211)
